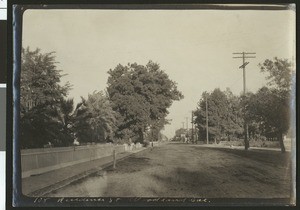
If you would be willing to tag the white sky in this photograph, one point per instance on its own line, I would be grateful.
(194, 47)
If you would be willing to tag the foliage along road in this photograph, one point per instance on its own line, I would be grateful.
(181, 170)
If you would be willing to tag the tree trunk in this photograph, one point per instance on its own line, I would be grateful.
(246, 139)
(141, 136)
(280, 139)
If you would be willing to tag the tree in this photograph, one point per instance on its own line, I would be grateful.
(94, 119)
(279, 73)
(270, 106)
(154, 132)
(247, 104)
(141, 95)
(224, 115)
(216, 101)
(233, 124)
(64, 117)
(41, 96)
(40, 80)
(180, 133)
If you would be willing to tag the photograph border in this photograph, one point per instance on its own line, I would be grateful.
(13, 148)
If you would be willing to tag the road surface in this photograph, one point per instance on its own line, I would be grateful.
(185, 170)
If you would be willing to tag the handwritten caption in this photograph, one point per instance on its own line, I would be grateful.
(119, 200)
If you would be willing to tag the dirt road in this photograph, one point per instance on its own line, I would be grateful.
(181, 170)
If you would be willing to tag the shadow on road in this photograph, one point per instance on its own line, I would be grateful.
(131, 165)
(184, 182)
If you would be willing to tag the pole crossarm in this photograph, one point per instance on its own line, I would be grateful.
(245, 57)
(244, 65)
(243, 53)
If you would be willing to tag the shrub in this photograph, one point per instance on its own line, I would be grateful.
(232, 143)
(146, 143)
(264, 143)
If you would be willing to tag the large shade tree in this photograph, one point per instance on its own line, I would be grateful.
(270, 106)
(141, 95)
(42, 101)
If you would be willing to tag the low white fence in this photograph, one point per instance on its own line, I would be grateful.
(37, 161)
(41, 160)
(132, 146)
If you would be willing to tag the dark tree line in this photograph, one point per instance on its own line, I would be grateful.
(270, 106)
(225, 116)
(267, 112)
(133, 108)
(44, 108)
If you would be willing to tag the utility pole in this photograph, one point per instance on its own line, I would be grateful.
(192, 126)
(206, 110)
(245, 55)
(187, 123)
(187, 128)
(182, 125)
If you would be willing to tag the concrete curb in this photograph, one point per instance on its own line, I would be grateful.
(63, 183)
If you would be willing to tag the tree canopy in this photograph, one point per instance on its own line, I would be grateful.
(279, 73)
(224, 115)
(40, 79)
(141, 95)
(95, 121)
(42, 101)
(270, 106)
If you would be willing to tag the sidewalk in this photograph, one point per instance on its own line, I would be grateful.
(42, 184)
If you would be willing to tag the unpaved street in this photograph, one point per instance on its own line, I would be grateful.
(181, 170)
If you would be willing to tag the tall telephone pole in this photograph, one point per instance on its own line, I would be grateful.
(187, 123)
(206, 110)
(192, 126)
(245, 55)
(187, 127)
